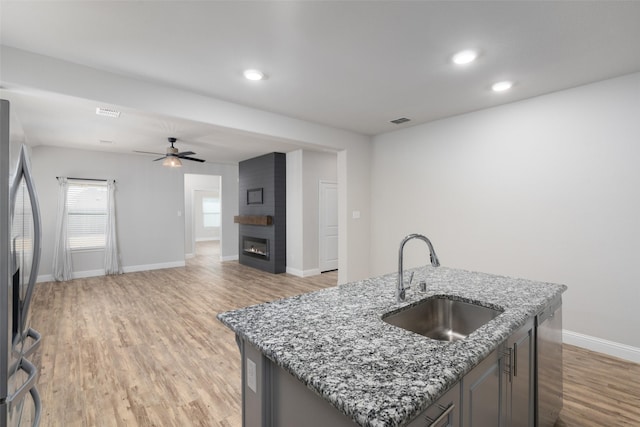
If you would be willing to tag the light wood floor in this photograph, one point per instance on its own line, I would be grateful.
(145, 349)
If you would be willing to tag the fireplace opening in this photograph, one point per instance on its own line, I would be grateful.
(255, 247)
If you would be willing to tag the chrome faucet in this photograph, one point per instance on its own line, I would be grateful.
(400, 290)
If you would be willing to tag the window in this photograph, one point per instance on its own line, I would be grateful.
(210, 212)
(86, 215)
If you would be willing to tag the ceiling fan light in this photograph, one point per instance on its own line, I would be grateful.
(172, 162)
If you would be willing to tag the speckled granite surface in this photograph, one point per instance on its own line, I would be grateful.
(336, 343)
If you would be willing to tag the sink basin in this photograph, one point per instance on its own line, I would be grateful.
(442, 318)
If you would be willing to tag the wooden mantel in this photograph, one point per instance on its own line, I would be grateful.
(253, 219)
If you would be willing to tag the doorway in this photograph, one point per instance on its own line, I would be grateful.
(203, 207)
(206, 217)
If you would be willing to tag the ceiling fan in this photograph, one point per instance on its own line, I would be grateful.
(173, 156)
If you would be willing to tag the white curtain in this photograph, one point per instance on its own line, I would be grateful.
(111, 255)
(62, 268)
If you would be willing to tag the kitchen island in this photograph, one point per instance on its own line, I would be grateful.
(334, 343)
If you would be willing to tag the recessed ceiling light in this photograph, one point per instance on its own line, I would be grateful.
(502, 86)
(107, 112)
(254, 74)
(464, 57)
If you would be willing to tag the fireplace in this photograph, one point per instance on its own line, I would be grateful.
(262, 213)
(255, 247)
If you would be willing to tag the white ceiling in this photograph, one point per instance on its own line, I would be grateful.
(43, 118)
(354, 65)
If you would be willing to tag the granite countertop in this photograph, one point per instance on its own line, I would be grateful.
(335, 342)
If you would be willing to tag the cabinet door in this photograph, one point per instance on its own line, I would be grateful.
(445, 412)
(519, 372)
(483, 395)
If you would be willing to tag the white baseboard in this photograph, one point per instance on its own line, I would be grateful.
(600, 345)
(189, 256)
(44, 278)
(146, 267)
(74, 275)
(303, 273)
(129, 269)
(230, 258)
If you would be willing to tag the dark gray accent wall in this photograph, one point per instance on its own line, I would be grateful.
(268, 172)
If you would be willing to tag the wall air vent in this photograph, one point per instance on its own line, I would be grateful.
(400, 120)
(107, 112)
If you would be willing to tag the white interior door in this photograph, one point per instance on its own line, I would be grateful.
(328, 219)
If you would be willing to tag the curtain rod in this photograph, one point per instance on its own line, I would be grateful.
(86, 179)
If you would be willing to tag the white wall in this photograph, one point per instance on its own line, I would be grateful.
(149, 205)
(316, 167)
(295, 216)
(546, 189)
(354, 196)
(305, 170)
(31, 70)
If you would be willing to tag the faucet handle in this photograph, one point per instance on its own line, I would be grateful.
(411, 277)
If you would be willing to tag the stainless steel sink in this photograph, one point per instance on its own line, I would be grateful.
(442, 318)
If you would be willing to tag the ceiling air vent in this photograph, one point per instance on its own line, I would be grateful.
(400, 120)
(107, 112)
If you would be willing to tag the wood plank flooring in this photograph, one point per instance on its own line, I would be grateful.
(145, 349)
(599, 390)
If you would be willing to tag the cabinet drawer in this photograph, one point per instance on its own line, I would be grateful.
(445, 412)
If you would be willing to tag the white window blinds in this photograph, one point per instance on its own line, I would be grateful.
(86, 215)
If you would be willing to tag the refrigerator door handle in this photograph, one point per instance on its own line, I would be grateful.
(38, 406)
(32, 333)
(27, 386)
(24, 170)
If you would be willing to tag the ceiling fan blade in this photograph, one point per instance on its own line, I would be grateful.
(191, 158)
(160, 158)
(148, 152)
(186, 153)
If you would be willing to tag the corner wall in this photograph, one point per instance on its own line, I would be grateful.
(545, 189)
(305, 170)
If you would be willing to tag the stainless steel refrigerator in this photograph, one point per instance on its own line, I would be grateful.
(20, 239)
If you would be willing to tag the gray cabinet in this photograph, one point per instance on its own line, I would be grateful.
(272, 397)
(483, 396)
(500, 390)
(445, 412)
(519, 373)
